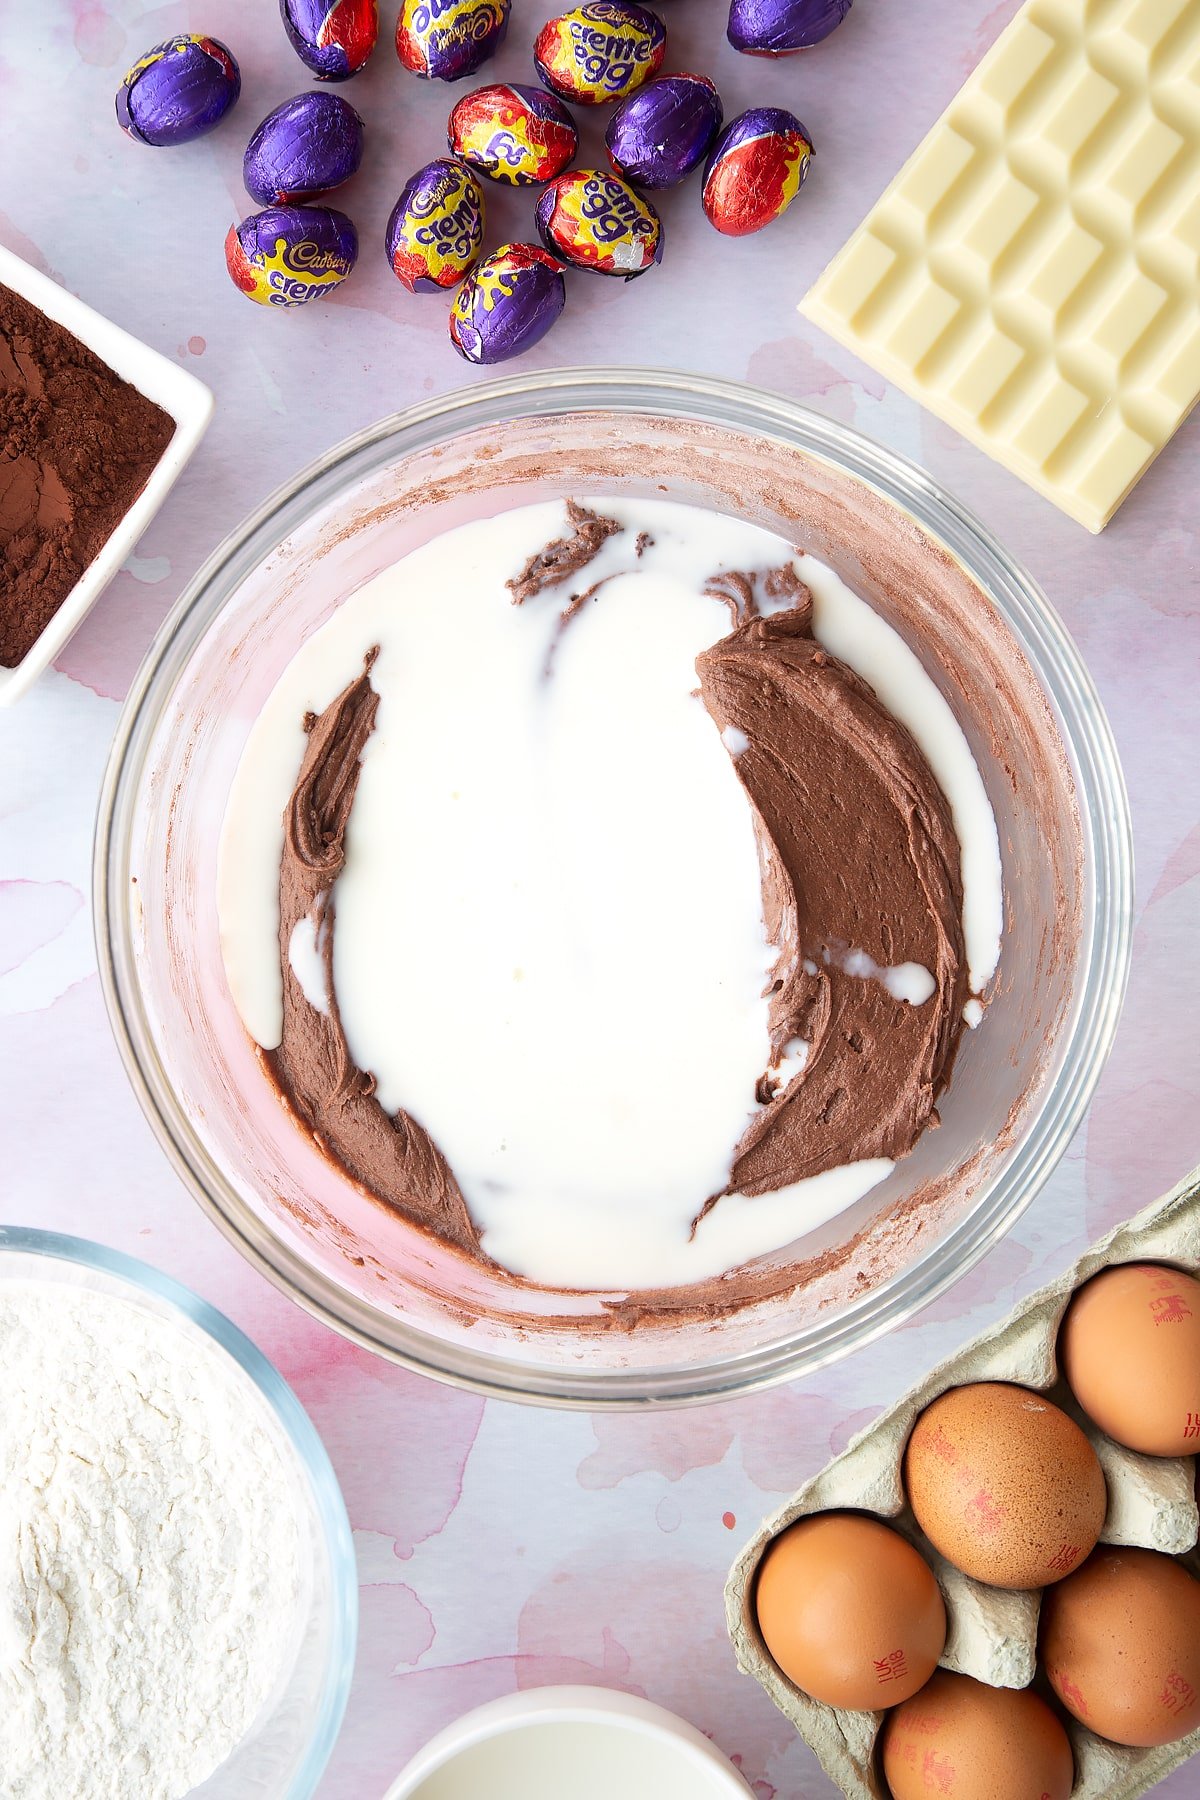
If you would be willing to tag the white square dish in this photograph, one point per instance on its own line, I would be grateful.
(189, 404)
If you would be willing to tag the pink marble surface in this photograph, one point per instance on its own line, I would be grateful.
(501, 1547)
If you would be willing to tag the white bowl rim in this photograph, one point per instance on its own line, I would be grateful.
(301, 1433)
(1105, 820)
(568, 1705)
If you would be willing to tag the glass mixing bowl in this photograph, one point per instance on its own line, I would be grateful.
(985, 634)
(286, 1749)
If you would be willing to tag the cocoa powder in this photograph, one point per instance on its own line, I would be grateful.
(77, 445)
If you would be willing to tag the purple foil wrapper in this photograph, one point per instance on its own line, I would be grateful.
(289, 255)
(178, 91)
(333, 38)
(445, 40)
(507, 304)
(781, 27)
(307, 146)
(660, 134)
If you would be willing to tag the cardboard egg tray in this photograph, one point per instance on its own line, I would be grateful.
(992, 1632)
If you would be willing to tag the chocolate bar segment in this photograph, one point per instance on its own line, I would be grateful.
(1033, 273)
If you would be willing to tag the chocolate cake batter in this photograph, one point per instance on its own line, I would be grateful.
(857, 850)
(77, 445)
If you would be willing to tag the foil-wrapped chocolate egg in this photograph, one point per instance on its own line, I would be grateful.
(307, 146)
(178, 91)
(600, 51)
(755, 170)
(333, 38)
(659, 135)
(596, 221)
(288, 255)
(509, 301)
(781, 27)
(444, 40)
(435, 233)
(513, 133)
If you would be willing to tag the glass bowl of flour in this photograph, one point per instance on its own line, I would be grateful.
(613, 887)
(178, 1607)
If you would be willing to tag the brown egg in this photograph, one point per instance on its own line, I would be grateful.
(961, 1740)
(1004, 1485)
(1130, 1348)
(850, 1611)
(1120, 1642)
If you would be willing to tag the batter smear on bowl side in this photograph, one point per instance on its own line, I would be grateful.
(634, 885)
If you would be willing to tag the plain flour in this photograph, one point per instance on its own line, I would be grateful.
(151, 1550)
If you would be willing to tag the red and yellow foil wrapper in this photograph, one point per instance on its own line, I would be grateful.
(600, 51)
(507, 304)
(444, 40)
(289, 255)
(596, 221)
(755, 170)
(513, 133)
(435, 233)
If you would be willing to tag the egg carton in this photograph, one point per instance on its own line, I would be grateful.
(992, 1632)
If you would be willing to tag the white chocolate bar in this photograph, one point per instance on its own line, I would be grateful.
(1032, 275)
